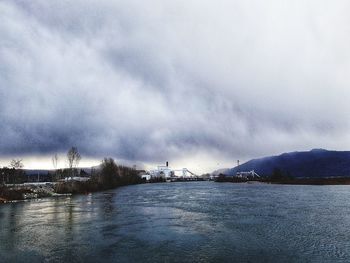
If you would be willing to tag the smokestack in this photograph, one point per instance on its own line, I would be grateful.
(167, 164)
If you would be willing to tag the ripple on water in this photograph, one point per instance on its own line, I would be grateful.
(182, 222)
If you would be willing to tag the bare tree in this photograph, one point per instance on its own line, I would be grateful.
(55, 161)
(16, 164)
(73, 157)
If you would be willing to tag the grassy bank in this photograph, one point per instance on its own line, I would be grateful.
(7, 194)
(108, 177)
(21, 192)
(93, 185)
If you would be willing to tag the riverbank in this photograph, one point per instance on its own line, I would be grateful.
(315, 181)
(289, 181)
(19, 192)
(108, 176)
(27, 192)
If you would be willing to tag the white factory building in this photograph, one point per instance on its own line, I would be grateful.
(167, 172)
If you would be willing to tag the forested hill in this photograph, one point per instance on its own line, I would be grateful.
(314, 163)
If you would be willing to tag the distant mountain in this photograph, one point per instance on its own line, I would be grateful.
(220, 171)
(35, 172)
(314, 163)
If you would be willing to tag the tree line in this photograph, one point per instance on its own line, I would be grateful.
(107, 175)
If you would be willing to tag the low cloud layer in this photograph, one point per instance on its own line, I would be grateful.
(169, 80)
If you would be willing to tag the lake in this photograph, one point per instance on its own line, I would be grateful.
(182, 222)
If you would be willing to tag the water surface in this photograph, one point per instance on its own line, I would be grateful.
(182, 222)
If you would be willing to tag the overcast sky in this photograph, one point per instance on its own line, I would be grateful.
(198, 83)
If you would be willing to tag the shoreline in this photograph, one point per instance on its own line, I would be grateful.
(316, 181)
(74, 188)
(6, 201)
(293, 181)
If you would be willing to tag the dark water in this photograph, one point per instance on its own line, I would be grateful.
(182, 222)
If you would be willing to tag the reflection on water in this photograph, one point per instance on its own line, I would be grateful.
(182, 222)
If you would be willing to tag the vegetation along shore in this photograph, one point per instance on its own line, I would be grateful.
(279, 177)
(108, 175)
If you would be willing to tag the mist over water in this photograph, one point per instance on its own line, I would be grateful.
(182, 222)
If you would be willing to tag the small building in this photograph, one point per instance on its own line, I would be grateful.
(76, 179)
(146, 177)
(247, 175)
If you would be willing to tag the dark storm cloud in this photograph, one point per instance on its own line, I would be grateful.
(141, 81)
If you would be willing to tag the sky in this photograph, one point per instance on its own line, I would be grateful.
(197, 83)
